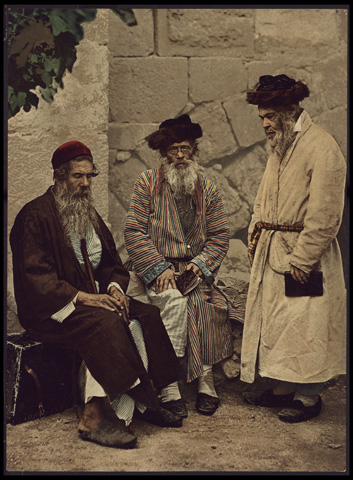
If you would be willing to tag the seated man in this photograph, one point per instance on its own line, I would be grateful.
(176, 224)
(69, 287)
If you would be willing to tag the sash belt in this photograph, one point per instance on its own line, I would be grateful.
(255, 235)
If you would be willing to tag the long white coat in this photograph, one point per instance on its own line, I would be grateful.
(302, 339)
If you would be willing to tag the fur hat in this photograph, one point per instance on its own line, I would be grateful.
(174, 130)
(68, 151)
(278, 90)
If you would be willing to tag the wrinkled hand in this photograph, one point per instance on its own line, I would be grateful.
(112, 302)
(162, 281)
(299, 275)
(195, 269)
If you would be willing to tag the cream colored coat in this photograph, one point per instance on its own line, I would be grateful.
(300, 339)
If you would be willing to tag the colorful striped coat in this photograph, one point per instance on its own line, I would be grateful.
(154, 233)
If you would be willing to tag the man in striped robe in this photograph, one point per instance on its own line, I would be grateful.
(74, 296)
(176, 223)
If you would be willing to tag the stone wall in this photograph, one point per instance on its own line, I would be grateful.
(202, 62)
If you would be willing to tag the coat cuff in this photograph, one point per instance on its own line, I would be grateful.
(153, 272)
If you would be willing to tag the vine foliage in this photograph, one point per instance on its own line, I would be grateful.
(41, 48)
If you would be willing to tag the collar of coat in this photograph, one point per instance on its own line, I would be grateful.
(196, 196)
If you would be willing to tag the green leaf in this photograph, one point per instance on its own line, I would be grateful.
(21, 98)
(127, 16)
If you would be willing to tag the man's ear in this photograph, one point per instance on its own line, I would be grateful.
(293, 109)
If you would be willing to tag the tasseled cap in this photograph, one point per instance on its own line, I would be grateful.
(68, 151)
(277, 90)
(174, 130)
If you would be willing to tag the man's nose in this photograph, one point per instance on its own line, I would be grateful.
(266, 123)
(84, 181)
(180, 153)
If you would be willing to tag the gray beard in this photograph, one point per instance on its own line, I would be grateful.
(283, 138)
(76, 214)
(182, 181)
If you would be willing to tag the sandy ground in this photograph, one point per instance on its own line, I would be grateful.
(237, 438)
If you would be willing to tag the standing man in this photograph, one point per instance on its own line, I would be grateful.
(70, 289)
(176, 227)
(297, 340)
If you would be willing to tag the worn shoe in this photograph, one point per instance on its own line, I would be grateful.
(296, 411)
(109, 435)
(268, 399)
(177, 407)
(205, 404)
(160, 417)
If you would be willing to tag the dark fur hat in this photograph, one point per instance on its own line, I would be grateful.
(174, 130)
(278, 90)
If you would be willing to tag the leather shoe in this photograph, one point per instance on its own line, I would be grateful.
(296, 411)
(109, 435)
(177, 407)
(205, 404)
(267, 399)
(160, 417)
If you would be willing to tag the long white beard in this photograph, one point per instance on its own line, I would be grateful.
(183, 180)
(77, 214)
(283, 138)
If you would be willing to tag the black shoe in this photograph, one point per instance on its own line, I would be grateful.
(268, 399)
(205, 404)
(160, 417)
(109, 435)
(296, 411)
(177, 407)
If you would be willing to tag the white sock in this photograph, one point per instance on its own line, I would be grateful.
(206, 384)
(170, 392)
(307, 400)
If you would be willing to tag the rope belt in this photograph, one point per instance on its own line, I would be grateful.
(255, 235)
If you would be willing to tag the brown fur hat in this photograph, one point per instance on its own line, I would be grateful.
(174, 130)
(276, 91)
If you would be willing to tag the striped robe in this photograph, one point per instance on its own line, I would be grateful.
(154, 233)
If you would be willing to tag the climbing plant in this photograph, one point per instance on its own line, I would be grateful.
(42, 47)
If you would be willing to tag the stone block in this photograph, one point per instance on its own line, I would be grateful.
(245, 173)
(332, 121)
(245, 122)
(298, 32)
(216, 78)
(218, 140)
(122, 177)
(117, 219)
(147, 90)
(151, 158)
(127, 136)
(207, 32)
(330, 78)
(131, 41)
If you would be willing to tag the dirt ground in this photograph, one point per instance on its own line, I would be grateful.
(237, 438)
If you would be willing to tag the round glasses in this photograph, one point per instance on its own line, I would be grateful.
(185, 150)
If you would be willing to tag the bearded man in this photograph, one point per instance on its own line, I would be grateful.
(70, 289)
(294, 329)
(176, 226)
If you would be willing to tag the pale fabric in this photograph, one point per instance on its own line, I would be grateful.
(169, 393)
(205, 382)
(300, 340)
(124, 405)
(173, 310)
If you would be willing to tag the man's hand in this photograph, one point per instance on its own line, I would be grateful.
(299, 275)
(162, 281)
(195, 269)
(123, 300)
(108, 302)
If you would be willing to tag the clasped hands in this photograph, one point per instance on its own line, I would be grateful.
(115, 300)
(168, 277)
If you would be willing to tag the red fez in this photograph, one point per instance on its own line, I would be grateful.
(68, 151)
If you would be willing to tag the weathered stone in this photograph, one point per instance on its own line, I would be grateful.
(218, 140)
(123, 156)
(128, 136)
(330, 121)
(117, 219)
(330, 77)
(291, 31)
(244, 119)
(150, 158)
(216, 78)
(122, 179)
(147, 90)
(133, 41)
(231, 366)
(208, 33)
(245, 173)
(236, 263)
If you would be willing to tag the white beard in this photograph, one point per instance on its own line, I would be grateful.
(183, 180)
(77, 214)
(283, 138)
